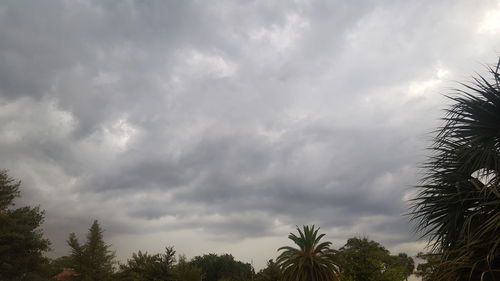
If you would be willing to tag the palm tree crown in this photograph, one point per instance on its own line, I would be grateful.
(311, 261)
(458, 206)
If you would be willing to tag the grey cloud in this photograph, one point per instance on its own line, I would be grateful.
(234, 118)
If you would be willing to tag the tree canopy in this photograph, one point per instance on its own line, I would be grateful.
(186, 271)
(217, 267)
(365, 260)
(427, 267)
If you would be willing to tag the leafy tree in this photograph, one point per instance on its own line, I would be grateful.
(184, 271)
(217, 267)
(93, 260)
(272, 272)
(364, 260)
(21, 240)
(426, 269)
(311, 261)
(405, 263)
(458, 207)
(146, 267)
(141, 266)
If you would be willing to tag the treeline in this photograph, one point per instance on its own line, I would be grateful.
(93, 260)
(22, 249)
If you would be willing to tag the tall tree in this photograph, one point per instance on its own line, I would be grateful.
(458, 207)
(93, 260)
(21, 240)
(311, 261)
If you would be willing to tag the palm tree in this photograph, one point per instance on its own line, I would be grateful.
(311, 261)
(458, 207)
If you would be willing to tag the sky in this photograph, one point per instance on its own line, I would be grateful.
(219, 126)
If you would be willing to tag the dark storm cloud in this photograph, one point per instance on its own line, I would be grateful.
(234, 119)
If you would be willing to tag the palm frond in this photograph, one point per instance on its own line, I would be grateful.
(457, 208)
(311, 261)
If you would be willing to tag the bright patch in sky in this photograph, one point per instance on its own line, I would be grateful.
(419, 88)
(491, 21)
(120, 133)
(281, 38)
(199, 64)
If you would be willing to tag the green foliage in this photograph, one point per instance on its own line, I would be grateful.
(458, 204)
(365, 260)
(217, 267)
(146, 267)
(311, 261)
(21, 241)
(426, 269)
(184, 271)
(93, 260)
(404, 263)
(272, 272)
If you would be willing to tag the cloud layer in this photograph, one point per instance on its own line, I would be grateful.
(218, 127)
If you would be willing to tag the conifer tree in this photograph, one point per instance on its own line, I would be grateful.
(93, 260)
(21, 241)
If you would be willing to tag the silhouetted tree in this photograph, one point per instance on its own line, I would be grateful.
(311, 261)
(92, 260)
(21, 240)
(272, 272)
(147, 267)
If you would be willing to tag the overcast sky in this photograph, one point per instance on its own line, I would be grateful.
(217, 126)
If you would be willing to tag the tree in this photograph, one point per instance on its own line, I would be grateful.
(184, 271)
(142, 266)
(147, 267)
(365, 260)
(311, 261)
(458, 206)
(272, 272)
(21, 240)
(218, 267)
(93, 260)
(406, 263)
(427, 268)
